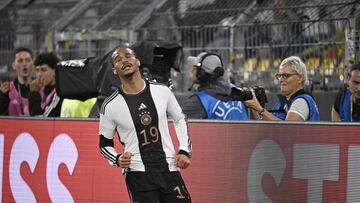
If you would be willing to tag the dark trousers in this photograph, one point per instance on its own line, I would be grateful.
(156, 187)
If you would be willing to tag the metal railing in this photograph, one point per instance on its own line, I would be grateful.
(251, 51)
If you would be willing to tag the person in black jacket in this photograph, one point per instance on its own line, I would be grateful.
(43, 99)
(212, 99)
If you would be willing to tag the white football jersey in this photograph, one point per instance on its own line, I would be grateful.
(141, 122)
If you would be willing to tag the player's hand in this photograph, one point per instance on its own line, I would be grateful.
(182, 161)
(125, 160)
(4, 86)
(35, 85)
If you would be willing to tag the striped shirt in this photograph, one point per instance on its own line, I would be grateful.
(141, 121)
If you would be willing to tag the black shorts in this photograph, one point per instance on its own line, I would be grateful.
(155, 187)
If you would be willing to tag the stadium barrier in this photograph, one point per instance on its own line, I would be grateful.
(59, 161)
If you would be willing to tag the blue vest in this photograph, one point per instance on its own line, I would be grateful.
(345, 108)
(278, 109)
(217, 109)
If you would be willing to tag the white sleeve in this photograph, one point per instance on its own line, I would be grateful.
(300, 107)
(106, 143)
(180, 122)
(106, 125)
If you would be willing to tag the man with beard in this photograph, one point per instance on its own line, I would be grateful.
(346, 107)
(14, 95)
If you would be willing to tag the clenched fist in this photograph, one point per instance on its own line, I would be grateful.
(125, 160)
(35, 85)
(182, 161)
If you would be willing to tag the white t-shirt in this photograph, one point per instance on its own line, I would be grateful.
(300, 107)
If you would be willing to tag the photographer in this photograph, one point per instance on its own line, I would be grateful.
(295, 104)
(212, 99)
(346, 106)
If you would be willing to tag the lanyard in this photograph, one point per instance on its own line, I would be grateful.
(20, 100)
(351, 108)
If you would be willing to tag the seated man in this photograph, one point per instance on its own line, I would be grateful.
(346, 107)
(212, 99)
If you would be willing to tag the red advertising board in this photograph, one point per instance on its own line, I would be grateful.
(59, 161)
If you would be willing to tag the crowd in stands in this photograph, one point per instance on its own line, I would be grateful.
(33, 92)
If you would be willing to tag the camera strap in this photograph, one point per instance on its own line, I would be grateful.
(283, 101)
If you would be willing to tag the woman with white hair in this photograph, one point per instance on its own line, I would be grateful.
(295, 103)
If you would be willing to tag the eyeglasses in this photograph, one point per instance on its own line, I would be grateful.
(284, 75)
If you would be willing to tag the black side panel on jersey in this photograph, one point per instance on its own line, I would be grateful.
(145, 118)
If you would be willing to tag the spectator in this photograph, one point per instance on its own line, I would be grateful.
(295, 103)
(212, 99)
(14, 95)
(346, 107)
(138, 111)
(43, 99)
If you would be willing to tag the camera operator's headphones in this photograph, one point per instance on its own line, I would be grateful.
(202, 75)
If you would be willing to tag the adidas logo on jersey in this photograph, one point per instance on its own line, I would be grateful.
(142, 106)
